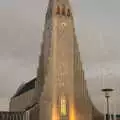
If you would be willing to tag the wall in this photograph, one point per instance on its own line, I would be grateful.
(19, 103)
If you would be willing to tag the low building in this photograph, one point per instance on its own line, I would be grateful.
(11, 115)
(23, 97)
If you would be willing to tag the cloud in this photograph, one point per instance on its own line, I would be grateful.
(4, 104)
(11, 79)
(103, 75)
(97, 28)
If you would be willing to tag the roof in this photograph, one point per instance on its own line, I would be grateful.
(25, 87)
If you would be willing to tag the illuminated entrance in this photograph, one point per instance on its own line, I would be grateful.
(63, 108)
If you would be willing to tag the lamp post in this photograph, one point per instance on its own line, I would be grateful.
(107, 96)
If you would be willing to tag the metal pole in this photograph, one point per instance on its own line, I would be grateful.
(108, 116)
(107, 91)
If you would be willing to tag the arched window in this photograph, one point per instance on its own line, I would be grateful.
(58, 10)
(63, 10)
(68, 13)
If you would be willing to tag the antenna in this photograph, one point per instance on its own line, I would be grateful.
(101, 40)
(101, 67)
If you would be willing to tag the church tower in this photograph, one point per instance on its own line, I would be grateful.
(60, 86)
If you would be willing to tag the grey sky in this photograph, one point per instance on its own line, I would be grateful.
(97, 28)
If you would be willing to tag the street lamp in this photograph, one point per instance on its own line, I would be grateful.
(107, 96)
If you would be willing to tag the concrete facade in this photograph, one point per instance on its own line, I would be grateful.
(60, 72)
(20, 103)
(23, 96)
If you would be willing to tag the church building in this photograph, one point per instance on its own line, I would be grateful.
(59, 91)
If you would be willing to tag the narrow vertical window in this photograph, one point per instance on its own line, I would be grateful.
(58, 10)
(68, 12)
(63, 10)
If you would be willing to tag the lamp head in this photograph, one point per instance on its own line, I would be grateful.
(107, 91)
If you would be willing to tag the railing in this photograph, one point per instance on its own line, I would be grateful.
(4, 115)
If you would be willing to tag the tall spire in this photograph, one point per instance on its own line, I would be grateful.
(60, 70)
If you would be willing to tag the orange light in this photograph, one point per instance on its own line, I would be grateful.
(54, 113)
(72, 112)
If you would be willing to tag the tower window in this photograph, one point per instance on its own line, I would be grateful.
(58, 10)
(63, 10)
(68, 12)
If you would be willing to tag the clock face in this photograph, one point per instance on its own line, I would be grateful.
(62, 27)
(63, 24)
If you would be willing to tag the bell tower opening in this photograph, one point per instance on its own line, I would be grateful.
(63, 10)
(68, 13)
(58, 10)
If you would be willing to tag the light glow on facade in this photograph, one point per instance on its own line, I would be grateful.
(72, 115)
(55, 115)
